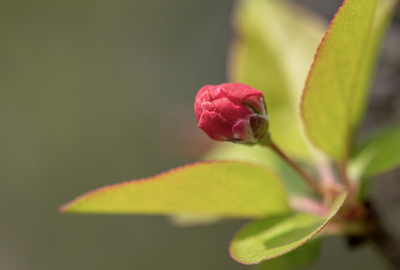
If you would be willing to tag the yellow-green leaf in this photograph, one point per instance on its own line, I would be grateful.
(273, 49)
(335, 94)
(263, 156)
(226, 189)
(275, 236)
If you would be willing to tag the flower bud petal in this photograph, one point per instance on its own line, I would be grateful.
(256, 103)
(238, 92)
(242, 132)
(232, 112)
(215, 126)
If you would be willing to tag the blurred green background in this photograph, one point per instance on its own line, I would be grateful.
(99, 92)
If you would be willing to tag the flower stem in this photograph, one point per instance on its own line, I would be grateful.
(309, 180)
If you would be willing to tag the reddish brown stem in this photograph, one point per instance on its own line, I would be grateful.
(309, 180)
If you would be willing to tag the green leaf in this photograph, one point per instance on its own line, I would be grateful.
(379, 153)
(275, 236)
(262, 156)
(300, 257)
(335, 94)
(227, 189)
(274, 47)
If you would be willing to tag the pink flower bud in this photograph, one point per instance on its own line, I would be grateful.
(231, 112)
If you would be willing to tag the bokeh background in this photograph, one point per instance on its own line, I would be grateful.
(98, 92)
